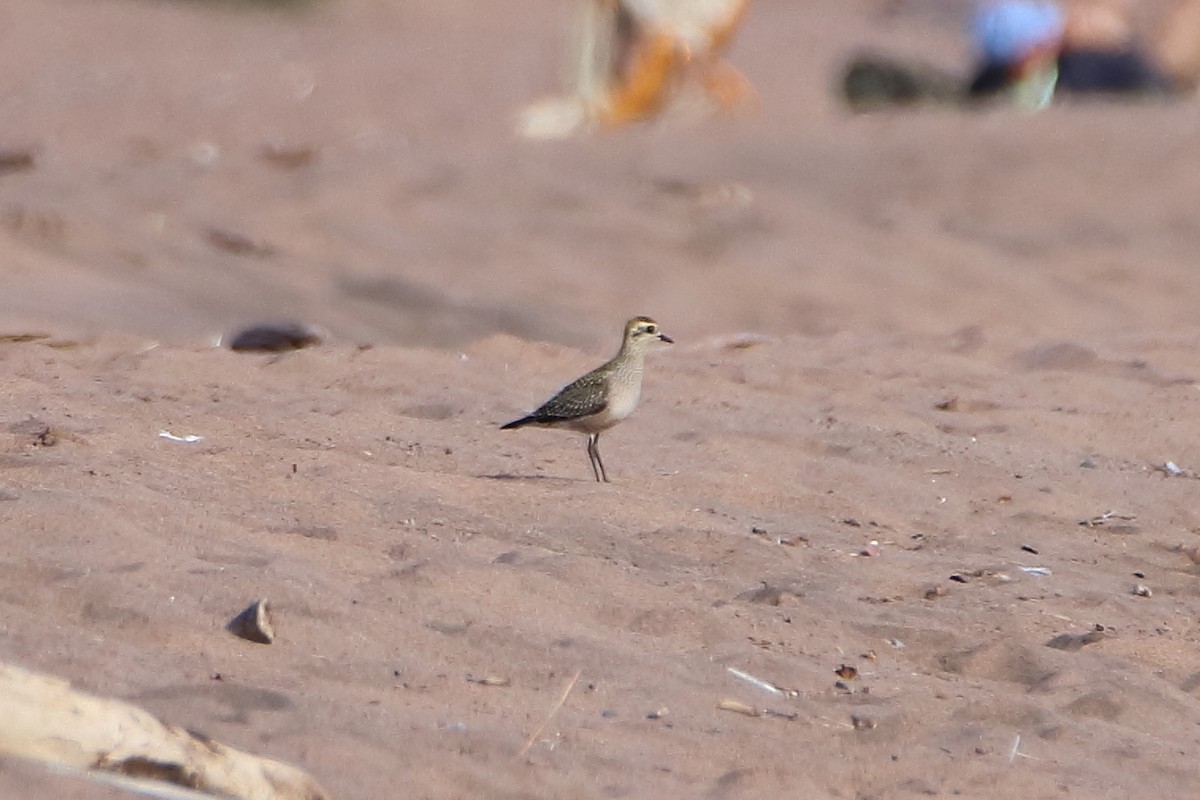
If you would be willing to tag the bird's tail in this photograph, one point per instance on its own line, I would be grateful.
(519, 423)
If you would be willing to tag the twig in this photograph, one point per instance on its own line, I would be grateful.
(533, 736)
(753, 681)
(1015, 749)
(739, 707)
(1106, 517)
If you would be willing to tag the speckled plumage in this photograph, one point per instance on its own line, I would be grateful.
(603, 397)
(575, 401)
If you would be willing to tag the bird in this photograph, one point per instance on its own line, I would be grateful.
(603, 397)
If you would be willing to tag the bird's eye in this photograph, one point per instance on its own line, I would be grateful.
(651, 329)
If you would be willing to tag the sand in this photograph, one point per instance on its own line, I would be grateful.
(930, 370)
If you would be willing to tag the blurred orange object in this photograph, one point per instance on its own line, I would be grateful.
(632, 58)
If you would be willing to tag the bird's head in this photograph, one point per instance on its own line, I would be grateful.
(642, 332)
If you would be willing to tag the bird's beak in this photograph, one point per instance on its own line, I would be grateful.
(666, 338)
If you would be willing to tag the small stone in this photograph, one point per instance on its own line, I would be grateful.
(16, 160)
(237, 243)
(275, 337)
(35, 432)
(1072, 642)
(254, 624)
(287, 157)
(766, 595)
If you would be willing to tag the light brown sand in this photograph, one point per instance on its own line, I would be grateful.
(973, 332)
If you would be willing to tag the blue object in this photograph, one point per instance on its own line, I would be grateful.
(1008, 30)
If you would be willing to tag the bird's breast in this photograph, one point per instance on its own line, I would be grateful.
(624, 399)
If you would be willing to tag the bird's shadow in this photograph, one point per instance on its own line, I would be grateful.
(513, 476)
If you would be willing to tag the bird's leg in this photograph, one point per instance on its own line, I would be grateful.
(593, 448)
(596, 447)
(591, 457)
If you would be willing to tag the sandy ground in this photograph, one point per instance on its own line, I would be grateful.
(928, 369)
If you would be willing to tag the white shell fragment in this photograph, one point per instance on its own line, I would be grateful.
(191, 438)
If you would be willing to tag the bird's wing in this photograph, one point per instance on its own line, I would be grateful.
(581, 398)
